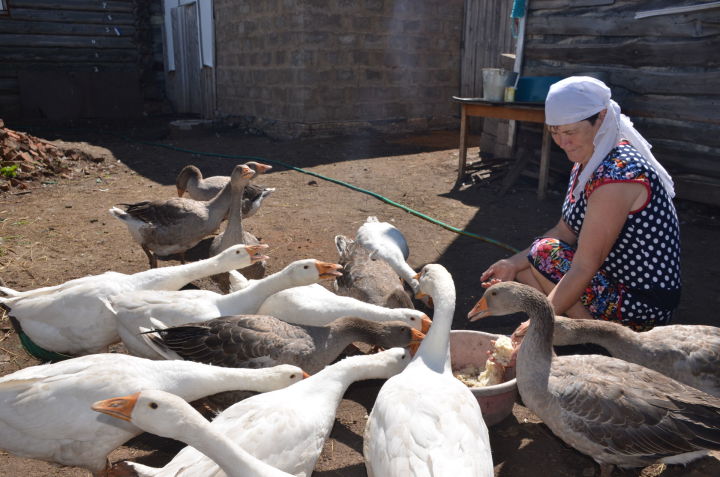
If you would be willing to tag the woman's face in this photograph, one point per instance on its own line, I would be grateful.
(576, 139)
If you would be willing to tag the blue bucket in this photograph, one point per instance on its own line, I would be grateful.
(534, 89)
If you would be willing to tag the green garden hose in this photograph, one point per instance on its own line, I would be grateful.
(336, 181)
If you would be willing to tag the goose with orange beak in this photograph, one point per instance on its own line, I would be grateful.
(412, 411)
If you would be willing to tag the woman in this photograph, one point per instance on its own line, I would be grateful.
(615, 253)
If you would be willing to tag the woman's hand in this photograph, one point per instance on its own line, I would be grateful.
(503, 270)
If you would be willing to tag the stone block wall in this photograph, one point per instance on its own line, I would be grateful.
(310, 67)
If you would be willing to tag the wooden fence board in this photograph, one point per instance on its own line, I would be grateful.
(105, 18)
(699, 109)
(671, 81)
(86, 5)
(66, 41)
(701, 24)
(63, 55)
(635, 52)
(52, 28)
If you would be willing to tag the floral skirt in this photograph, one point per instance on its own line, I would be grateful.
(604, 298)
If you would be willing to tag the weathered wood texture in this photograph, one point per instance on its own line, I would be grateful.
(486, 36)
(79, 36)
(664, 71)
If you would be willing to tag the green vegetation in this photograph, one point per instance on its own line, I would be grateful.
(9, 171)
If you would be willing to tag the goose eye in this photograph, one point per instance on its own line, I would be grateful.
(237, 252)
(305, 267)
(413, 318)
(153, 405)
(292, 376)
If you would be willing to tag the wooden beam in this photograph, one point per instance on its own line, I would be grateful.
(53, 28)
(697, 188)
(703, 109)
(65, 56)
(63, 16)
(677, 10)
(104, 5)
(686, 26)
(635, 52)
(68, 41)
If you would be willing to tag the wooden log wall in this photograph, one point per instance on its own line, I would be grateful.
(79, 36)
(664, 70)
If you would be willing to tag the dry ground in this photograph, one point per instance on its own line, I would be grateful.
(62, 230)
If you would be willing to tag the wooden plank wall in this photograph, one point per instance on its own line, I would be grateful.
(486, 36)
(664, 70)
(74, 36)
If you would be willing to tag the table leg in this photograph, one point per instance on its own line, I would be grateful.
(462, 150)
(544, 163)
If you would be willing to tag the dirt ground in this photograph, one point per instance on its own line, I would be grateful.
(62, 230)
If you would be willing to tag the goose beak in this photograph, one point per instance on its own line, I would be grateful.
(305, 375)
(480, 310)
(426, 324)
(255, 252)
(259, 168)
(327, 270)
(417, 276)
(180, 191)
(415, 341)
(119, 407)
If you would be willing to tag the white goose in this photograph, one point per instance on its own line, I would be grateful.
(368, 280)
(138, 312)
(287, 428)
(616, 412)
(425, 421)
(687, 353)
(386, 242)
(71, 318)
(316, 305)
(166, 227)
(45, 410)
(167, 415)
(190, 180)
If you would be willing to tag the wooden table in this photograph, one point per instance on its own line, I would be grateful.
(531, 112)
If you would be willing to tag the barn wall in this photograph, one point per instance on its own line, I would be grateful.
(332, 66)
(664, 71)
(65, 59)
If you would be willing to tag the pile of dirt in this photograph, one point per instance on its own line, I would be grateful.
(26, 160)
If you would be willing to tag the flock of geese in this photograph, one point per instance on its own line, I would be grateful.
(280, 335)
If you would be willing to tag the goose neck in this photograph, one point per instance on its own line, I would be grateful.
(434, 350)
(611, 336)
(257, 291)
(175, 277)
(195, 380)
(218, 206)
(231, 458)
(234, 232)
(535, 355)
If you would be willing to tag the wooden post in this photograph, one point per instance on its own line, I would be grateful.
(462, 150)
(544, 163)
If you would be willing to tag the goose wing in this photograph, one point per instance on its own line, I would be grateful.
(238, 341)
(629, 409)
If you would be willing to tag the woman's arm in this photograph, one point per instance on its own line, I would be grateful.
(607, 211)
(508, 268)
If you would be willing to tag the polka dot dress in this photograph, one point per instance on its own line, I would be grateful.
(645, 260)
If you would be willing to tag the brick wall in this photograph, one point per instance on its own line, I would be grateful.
(309, 67)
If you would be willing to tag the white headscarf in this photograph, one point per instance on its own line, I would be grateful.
(579, 97)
